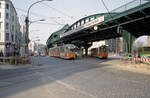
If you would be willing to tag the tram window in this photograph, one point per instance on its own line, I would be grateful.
(59, 49)
(63, 49)
(72, 50)
(99, 49)
(66, 49)
(104, 49)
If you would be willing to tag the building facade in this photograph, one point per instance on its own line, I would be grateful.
(116, 45)
(32, 46)
(97, 44)
(36, 47)
(10, 35)
(22, 45)
(148, 40)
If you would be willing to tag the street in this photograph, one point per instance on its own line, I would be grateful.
(82, 78)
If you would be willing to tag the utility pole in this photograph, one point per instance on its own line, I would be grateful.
(27, 25)
(27, 35)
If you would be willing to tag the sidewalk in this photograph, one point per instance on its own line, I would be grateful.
(128, 66)
(116, 63)
(7, 66)
(141, 68)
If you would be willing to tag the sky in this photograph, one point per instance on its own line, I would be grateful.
(57, 13)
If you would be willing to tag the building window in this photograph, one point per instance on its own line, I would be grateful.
(13, 28)
(7, 36)
(7, 26)
(0, 15)
(7, 6)
(7, 16)
(12, 37)
(0, 5)
(13, 18)
(0, 25)
(0, 36)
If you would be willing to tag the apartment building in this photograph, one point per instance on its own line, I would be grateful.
(10, 35)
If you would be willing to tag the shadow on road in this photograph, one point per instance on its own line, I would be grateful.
(25, 79)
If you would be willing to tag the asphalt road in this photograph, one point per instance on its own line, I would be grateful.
(82, 78)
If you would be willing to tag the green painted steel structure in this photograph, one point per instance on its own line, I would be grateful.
(129, 21)
(55, 37)
(128, 37)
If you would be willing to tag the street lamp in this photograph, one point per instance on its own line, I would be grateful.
(36, 21)
(27, 23)
(34, 30)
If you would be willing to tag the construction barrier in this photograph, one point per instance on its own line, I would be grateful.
(142, 60)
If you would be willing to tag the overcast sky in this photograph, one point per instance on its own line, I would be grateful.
(60, 12)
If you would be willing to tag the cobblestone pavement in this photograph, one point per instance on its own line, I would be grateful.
(82, 78)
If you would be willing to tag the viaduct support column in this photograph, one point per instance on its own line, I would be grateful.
(86, 51)
(86, 46)
(128, 37)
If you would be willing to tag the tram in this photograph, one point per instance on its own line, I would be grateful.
(68, 51)
(101, 52)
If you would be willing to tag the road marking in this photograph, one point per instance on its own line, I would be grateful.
(68, 86)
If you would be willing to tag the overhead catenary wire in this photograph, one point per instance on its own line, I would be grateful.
(107, 9)
(49, 23)
(40, 16)
(58, 11)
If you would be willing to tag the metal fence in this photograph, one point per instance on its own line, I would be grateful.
(14, 60)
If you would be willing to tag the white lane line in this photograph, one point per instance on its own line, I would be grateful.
(68, 86)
